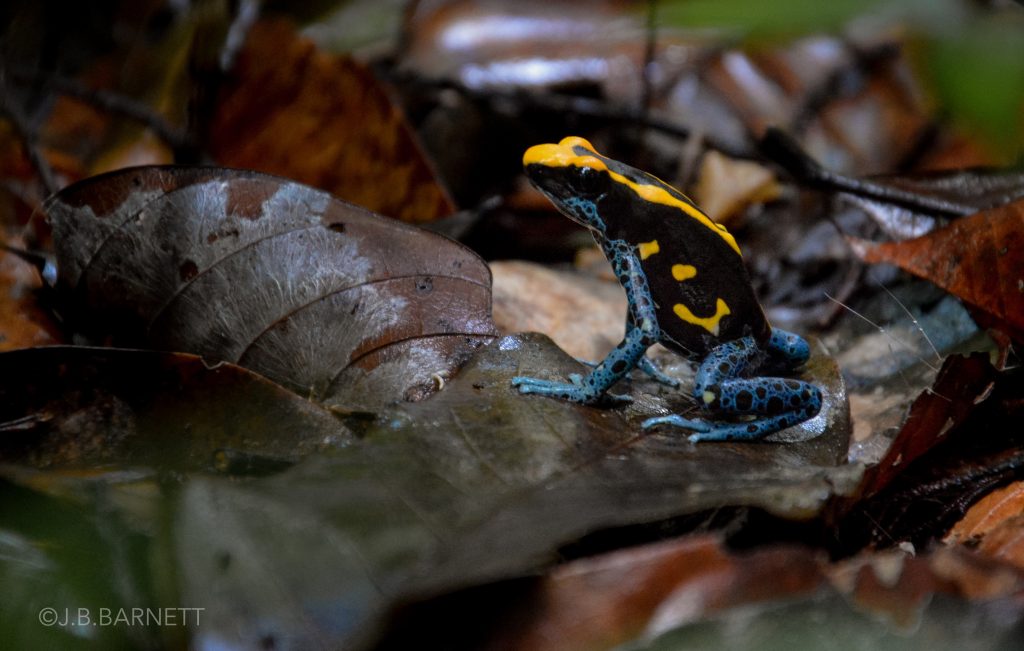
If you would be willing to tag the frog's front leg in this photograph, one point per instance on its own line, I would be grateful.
(778, 402)
(645, 364)
(641, 333)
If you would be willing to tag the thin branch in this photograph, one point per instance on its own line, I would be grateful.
(778, 147)
(29, 138)
(113, 102)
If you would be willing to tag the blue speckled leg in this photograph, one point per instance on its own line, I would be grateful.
(645, 364)
(648, 367)
(641, 333)
(721, 389)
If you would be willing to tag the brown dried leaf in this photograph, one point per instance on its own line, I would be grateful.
(962, 383)
(582, 314)
(325, 297)
(728, 186)
(992, 510)
(978, 259)
(995, 525)
(323, 120)
(601, 602)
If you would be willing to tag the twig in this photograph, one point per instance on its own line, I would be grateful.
(28, 136)
(113, 102)
(778, 147)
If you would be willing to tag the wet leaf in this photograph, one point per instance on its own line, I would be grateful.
(76, 407)
(977, 258)
(475, 484)
(344, 134)
(329, 299)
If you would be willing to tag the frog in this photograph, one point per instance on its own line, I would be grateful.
(687, 288)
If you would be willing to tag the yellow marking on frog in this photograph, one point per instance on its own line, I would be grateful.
(683, 272)
(564, 155)
(708, 397)
(709, 323)
(647, 249)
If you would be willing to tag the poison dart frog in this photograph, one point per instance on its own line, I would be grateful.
(687, 288)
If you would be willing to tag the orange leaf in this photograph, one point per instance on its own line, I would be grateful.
(325, 121)
(979, 259)
(996, 525)
(990, 511)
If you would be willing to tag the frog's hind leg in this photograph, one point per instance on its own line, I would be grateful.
(776, 403)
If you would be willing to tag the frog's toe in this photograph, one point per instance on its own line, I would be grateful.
(551, 389)
(537, 385)
(710, 435)
(677, 421)
(617, 400)
(659, 376)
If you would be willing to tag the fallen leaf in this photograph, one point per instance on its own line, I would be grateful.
(290, 109)
(962, 384)
(988, 513)
(478, 483)
(601, 602)
(695, 593)
(728, 186)
(77, 407)
(584, 315)
(994, 526)
(333, 301)
(976, 258)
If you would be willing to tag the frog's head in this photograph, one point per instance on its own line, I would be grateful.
(573, 175)
(604, 194)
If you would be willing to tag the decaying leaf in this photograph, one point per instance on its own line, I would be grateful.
(344, 134)
(77, 407)
(478, 483)
(977, 258)
(599, 603)
(694, 593)
(331, 300)
(962, 384)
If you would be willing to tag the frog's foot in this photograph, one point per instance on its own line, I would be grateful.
(648, 367)
(677, 421)
(576, 390)
(746, 431)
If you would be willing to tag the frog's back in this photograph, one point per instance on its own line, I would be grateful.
(693, 265)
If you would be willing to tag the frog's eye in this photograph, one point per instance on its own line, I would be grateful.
(590, 181)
